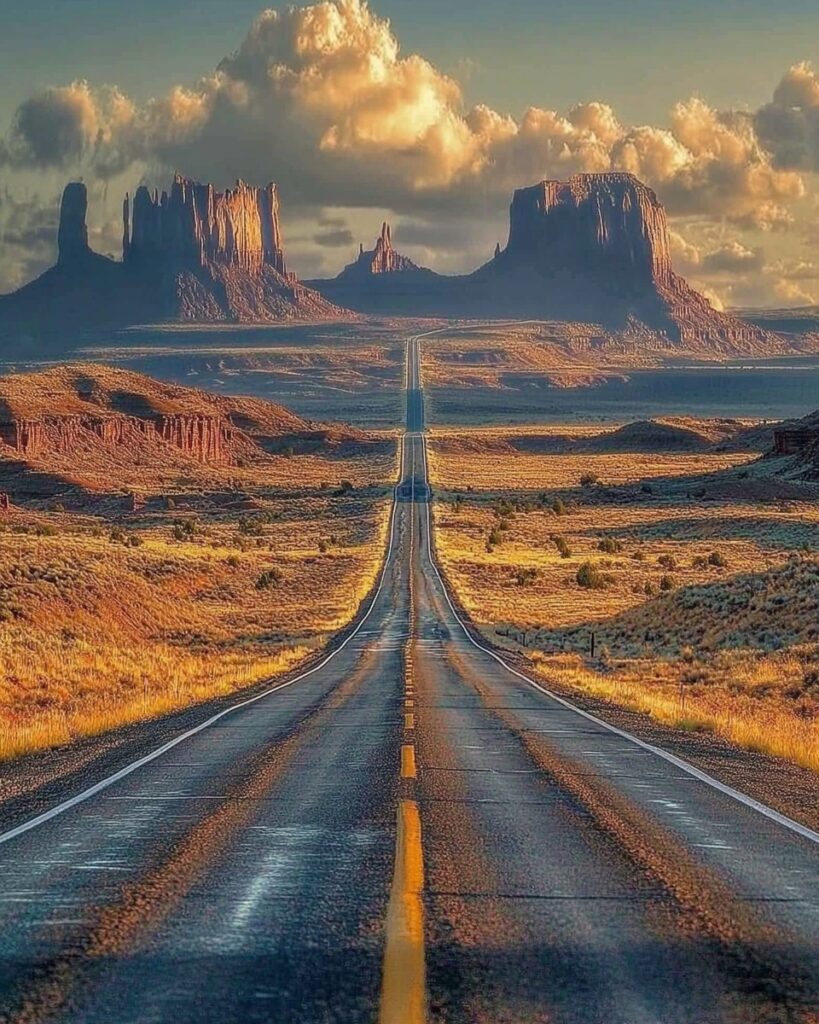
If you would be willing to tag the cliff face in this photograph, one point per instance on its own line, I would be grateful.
(204, 438)
(591, 224)
(99, 422)
(195, 225)
(595, 247)
(72, 236)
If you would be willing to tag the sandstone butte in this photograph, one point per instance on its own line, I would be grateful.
(590, 250)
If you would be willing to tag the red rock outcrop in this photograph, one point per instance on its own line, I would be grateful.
(72, 235)
(382, 259)
(204, 438)
(592, 224)
(197, 225)
(595, 247)
(192, 254)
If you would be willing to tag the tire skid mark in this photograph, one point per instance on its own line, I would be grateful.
(748, 950)
(118, 928)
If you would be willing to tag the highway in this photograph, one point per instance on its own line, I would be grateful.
(412, 831)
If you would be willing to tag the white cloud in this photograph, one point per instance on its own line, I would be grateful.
(321, 99)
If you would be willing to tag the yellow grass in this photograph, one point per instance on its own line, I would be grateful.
(717, 647)
(766, 727)
(95, 633)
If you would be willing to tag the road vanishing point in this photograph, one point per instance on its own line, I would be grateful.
(411, 830)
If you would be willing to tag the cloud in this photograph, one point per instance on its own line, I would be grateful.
(28, 232)
(733, 258)
(322, 99)
(791, 293)
(788, 126)
(334, 238)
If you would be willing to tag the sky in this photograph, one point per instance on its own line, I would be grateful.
(428, 114)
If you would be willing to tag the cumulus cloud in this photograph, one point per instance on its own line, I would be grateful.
(321, 99)
(733, 257)
(788, 126)
(336, 237)
(792, 293)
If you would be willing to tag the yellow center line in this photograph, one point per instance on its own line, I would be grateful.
(409, 721)
(403, 983)
(409, 703)
(408, 761)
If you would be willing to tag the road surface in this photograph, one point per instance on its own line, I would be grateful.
(411, 831)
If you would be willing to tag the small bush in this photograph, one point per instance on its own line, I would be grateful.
(562, 545)
(323, 546)
(559, 507)
(667, 561)
(609, 545)
(589, 577)
(718, 560)
(525, 575)
(233, 561)
(666, 583)
(589, 480)
(268, 579)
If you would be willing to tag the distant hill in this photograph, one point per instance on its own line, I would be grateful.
(100, 426)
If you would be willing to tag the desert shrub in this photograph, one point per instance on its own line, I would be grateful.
(667, 561)
(589, 480)
(559, 507)
(170, 504)
(135, 541)
(251, 526)
(666, 583)
(525, 575)
(699, 562)
(233, 561)
(562, 545)
(609, 545)
(323, 546)
(717, 559)
(495, 536)
(649, 589)
(638, 555)
(268, 579)
(589, 577)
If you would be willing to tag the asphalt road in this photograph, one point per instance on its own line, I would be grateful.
(411, 831)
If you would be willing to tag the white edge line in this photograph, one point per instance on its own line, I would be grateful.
(86, 794)
(709, 780)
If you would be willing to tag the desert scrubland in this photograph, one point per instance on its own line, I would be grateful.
(693, 572)
(140, 573)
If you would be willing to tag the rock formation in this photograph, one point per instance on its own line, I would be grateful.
(192, 254)
(196, 225)
(382, 259)
(595, 247)
(381, 278)
(86, 417)
(72, 236)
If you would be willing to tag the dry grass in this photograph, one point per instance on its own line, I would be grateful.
(730, 646)
(96, 633)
